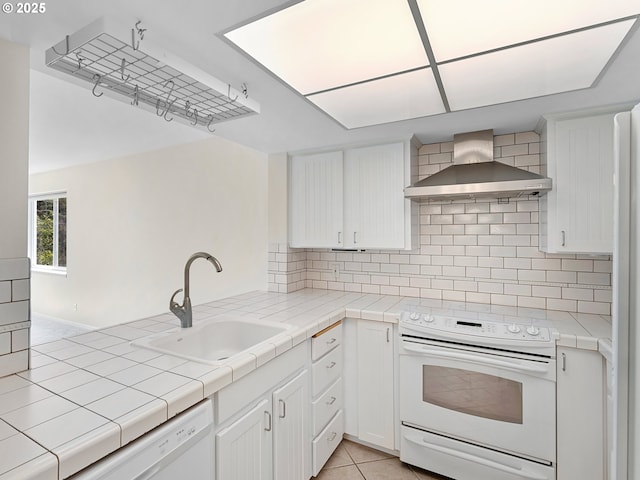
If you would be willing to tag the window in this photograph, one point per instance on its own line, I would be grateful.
(48, 232)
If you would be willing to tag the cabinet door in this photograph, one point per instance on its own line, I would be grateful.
(374, 197)
(375, 383)
(243, 449)
(290, 437)
(581, 166)
(316, 202)
(580, 414)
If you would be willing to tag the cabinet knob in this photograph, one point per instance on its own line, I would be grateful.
(331, 365)
(355, 237)
(283, 408)
(332, 401)
(564, 235)
(339, 237)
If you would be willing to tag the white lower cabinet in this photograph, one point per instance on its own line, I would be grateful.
(269, 438)
(581, 422)
(290, 420)
(375, 383)
(243, 449)
(327, 416)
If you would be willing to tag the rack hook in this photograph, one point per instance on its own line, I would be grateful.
(96, 79)
(191, 113)
(229, 94)
(140, 31)
(163, 113)
(136, 96)
(168, 110)
(66, 39)
(122, 65)
(210, 118)
(79, 59)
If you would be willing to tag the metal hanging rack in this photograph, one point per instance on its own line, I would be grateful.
(156, 80)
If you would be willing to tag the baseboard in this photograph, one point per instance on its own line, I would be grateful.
(42, 316)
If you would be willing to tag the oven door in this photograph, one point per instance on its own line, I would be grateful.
(491, 399)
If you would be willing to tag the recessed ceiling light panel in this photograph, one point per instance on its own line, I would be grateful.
(559, 64)
(317, 45)
(400, 97)
(465, 27)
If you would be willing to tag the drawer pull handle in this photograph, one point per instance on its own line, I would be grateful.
(332, 437)
(284, 408)
(333, 340)
(331, 365)
(332, 401)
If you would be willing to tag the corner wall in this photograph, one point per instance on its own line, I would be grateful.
(133, 222)
(14, 165)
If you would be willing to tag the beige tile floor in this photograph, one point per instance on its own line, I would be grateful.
(352, 461)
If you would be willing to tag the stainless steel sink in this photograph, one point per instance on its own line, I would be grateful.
(213, 341)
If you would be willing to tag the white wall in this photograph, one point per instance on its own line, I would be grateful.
(278, 191)
(133, 222)
(14, 148)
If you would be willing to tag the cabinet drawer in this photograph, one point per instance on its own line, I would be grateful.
(326, 406)
(326, 370)
(325, 443)
(326, 340)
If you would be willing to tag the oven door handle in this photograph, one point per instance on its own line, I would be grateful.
(519, 472)
(544, 368)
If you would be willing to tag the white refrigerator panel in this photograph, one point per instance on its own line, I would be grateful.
(625, 309)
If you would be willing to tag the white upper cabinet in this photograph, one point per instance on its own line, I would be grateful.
(576, 216)
(315, 201)
(374, 203)
(352, 198)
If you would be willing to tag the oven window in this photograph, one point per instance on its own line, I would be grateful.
(473, 393)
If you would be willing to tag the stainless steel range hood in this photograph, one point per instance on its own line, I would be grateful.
(475, 174)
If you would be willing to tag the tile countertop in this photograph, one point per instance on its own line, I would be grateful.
(88, 395)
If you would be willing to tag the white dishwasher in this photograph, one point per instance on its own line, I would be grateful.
(183, 447)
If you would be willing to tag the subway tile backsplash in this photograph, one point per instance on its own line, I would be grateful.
(482, 250)
(14, 315)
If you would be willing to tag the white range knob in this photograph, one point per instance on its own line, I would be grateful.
(514, 328)
(533, 331)
(414, 315)
(428, 318)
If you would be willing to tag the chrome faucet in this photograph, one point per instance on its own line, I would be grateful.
(183, 312)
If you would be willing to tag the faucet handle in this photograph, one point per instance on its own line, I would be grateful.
(173, 304)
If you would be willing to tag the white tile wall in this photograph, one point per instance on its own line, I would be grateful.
(479, 250)
(287, 269)
(14, 315)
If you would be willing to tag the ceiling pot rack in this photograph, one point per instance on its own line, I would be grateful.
(149, 78)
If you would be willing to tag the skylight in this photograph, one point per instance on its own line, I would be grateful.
(367, 62)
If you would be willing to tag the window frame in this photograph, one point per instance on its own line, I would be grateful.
(33, 244)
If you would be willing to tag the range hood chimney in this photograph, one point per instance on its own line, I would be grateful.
(475, 173)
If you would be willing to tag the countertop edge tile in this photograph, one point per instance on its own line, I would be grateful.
(143, 419)
(216, 380)
(183, 397)
(43, 467)
(87, 449)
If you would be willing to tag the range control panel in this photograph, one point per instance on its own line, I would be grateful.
(427, 322)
